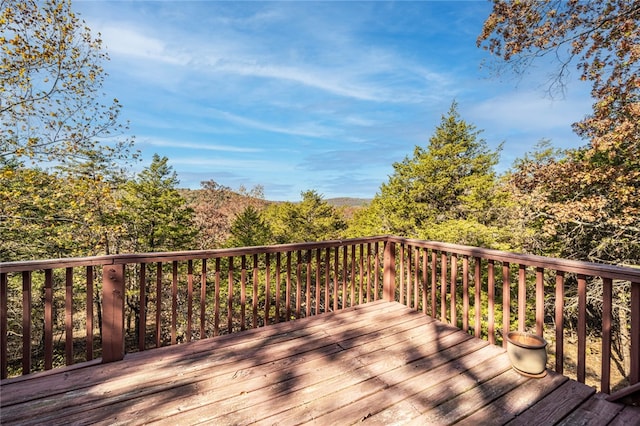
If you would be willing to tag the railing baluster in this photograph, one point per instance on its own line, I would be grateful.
(318, 286)
(254, 295)
(443, 286)
(409, 275)
(230, 295)
(89, 324)
(327, 281)
(607, 299)
(434, 284)
(539, 301)
(522, 296)
(634, 375)
(189, 298)
(376, 294)
(142, 320)
(454, 279)
(68, 317)
(389, 266)
(477, 301)
(216, 299)
(353, 275)
(278, 290)
(401, 298)
(491, 288)
(425, 286)
(307, 261)
(48, 319)
(506, 302)
(203, 299)
(298, 284)
(559, 319)
(267, 285)
(416, 278)
(243, 292)
(4, 319)
(368, 272)
(336, 276)
(26, 322)
(465, 293)
(582, 327)
(345, 263)
(361, 274)
(288, 286)
(174, 302)
(158, 304)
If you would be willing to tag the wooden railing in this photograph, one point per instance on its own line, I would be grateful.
(134, 302)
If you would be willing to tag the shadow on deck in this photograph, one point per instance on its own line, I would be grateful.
(377, 363)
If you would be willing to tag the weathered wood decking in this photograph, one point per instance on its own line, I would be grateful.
(380, 363)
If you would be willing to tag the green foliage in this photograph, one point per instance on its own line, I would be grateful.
(51, 101)
(154, 214)
(249, 229)
(449, 184)
(312, 219)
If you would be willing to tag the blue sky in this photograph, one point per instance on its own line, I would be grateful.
(314, 95)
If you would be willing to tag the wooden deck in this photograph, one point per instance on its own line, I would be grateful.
(378, 363)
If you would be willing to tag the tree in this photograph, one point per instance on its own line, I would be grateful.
(446, 191)
(155, 216)
(591, 199)
(31, 202)
(52, 111)
(51, 104)
(249, 229)
(312, 219)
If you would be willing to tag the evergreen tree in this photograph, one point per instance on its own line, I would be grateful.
(447, 191)
(155, 215)
(249, 229)
(312, 219)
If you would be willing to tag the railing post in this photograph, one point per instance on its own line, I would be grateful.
(635, 333)
(112, 313)
(389, 277)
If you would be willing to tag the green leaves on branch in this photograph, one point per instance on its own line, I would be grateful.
(448, 184)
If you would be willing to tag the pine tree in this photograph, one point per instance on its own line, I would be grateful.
(249, 229)
(447, 191)
(312, 219)
(155, 215)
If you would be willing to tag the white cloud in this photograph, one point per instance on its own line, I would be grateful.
(306, 129)
(530, 111)
(121, 40)
(198, 146)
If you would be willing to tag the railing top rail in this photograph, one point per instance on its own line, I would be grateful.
(565, 265)
(115, 259)
(575, 266)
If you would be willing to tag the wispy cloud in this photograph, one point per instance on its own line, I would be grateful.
(203, 146)
(300, 95)
(306, 129)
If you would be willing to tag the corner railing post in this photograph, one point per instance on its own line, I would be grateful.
(389, 278)
(112, 313)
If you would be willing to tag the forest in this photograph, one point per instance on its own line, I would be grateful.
(66, 189)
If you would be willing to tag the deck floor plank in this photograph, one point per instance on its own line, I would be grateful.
(278, 375)
(513, 403)
(555, 406)
(629, 416)
(377, 363)
(595, 410)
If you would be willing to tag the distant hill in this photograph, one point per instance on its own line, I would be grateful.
(348, 202)
(193, 195)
